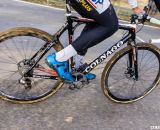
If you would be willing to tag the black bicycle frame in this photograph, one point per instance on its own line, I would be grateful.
(130, 36)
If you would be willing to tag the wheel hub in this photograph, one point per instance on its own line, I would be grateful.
(23, 67)
(129, 73)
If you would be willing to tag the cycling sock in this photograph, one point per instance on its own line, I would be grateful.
(79, 60)
(66, 53)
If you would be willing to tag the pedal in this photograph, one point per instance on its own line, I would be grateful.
(80, 81)
(72, 87)
(77, 85)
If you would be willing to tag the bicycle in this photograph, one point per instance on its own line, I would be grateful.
(25, 78)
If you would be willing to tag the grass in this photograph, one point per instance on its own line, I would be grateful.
(55, 3)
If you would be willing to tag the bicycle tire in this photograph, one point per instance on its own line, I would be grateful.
(117, 93)
(10, 45)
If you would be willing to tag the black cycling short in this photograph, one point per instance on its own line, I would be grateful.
(94, 9)
(157, 2)
(93, 33)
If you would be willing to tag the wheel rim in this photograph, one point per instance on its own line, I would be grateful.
(122, 88)
(12, 51)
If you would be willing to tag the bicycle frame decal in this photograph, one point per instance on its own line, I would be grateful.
(105, 55)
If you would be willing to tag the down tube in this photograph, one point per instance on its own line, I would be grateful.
(104, 56)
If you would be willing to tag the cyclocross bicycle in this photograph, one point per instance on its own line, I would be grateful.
(128, 76)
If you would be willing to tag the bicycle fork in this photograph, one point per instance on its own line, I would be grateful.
(133, 63)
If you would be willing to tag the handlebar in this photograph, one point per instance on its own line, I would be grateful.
(137, 19)
(141, 18)
(153, 20)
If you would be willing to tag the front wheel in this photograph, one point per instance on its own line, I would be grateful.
(17, 46)
(118, 80)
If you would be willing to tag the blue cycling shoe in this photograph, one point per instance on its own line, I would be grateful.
(90, 76)
(59, 67)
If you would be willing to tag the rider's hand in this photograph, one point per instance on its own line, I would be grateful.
(138, 10)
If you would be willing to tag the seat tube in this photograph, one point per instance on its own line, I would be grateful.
(70, 29)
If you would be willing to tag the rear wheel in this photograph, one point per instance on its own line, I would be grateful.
(118, 79)
(17, 46)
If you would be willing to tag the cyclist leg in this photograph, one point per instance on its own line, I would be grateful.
(107, 24)
(157, 2)
(92, 36)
